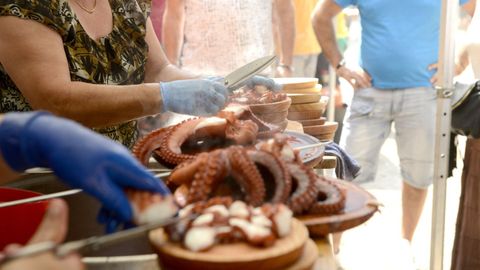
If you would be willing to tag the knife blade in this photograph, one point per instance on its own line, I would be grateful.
(90, 244)
(237, 78)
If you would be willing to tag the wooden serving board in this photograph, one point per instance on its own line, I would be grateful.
(304, 98)
(236, 256)
(360, 205)
(271, 107)
(313, 122)
(274, 117)
(311, 90)
(317, 106)
(305, 115)
(296, 82)
(326, 128)
(308, 258)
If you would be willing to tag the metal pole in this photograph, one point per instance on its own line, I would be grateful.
(442, 134)
(332, 84)
(331, 100)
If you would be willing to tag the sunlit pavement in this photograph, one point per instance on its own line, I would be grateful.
(377, 243)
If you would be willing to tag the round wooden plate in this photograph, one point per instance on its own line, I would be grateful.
(296, 82)
(359, 207)
(305, 115)
(313, 122)
(326, 128)
(308, 258)
(236, 256)
(311, 90)
(316, 106)
(304, 98)
(271, 107)
(274, 117)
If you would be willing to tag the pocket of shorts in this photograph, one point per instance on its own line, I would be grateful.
(361, 106)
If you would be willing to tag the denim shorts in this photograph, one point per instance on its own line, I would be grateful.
(368, 124)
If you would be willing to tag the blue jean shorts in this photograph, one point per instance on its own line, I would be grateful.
(368, 124)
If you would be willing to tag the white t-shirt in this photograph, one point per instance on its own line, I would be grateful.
(222, 35)
(473, 39)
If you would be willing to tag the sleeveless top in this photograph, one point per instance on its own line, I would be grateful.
(220, 36)
(116, 59)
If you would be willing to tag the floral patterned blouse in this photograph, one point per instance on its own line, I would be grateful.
(117, 59)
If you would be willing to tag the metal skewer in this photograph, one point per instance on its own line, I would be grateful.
(311, 146)
(41, 198)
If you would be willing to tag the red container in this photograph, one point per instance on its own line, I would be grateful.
(18, 223)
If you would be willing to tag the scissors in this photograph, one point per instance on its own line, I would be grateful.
(237, 78)
(90, 244)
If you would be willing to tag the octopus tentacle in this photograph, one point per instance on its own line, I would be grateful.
(332, 198)
(246, 174)
(209, 174)
(169, 152)
(144, 147)
(277, 169)
(306, 191)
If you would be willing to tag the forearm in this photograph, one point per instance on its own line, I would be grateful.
(285, 12)
(101, 105)
(325, 33)
(172, 32)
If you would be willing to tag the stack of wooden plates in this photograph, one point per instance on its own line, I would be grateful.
(307, 102)
(308, 106)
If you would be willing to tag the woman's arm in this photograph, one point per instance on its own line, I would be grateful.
(172, 32)
(285, 18)
(33, 56)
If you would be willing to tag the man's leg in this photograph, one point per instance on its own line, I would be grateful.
(415, 126)
(413, 200)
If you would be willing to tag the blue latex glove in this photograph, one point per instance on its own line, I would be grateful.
(194, 97)
(270, 84)
(78, 156)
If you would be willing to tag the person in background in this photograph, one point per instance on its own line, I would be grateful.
(467, 236)
(80, 158)
(392, 86)
(323, 73)
(158, 7)
(306, 48)
(216, 37)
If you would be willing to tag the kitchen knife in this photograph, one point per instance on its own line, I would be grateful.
(237, 78)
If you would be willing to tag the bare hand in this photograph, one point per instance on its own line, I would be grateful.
(459, 68)
(53, 228)
(434, 78)
(283, 71)
(357, 78)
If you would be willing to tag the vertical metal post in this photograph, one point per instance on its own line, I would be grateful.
(332, 84)
(442, 134)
